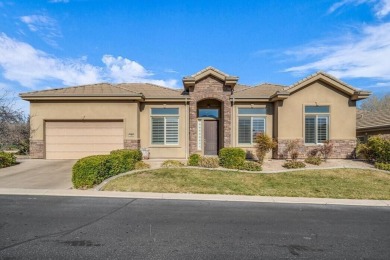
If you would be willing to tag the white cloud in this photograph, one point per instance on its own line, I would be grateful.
(381, 7)
(363, 56)
(32, 68)
(46, 27)
(119, 69)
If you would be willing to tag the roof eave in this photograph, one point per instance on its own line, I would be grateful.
(359, 95)
(279, 95)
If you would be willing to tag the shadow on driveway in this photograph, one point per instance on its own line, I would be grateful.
(38, 174)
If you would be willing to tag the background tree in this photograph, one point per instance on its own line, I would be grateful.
(14, 125)
(375, 103)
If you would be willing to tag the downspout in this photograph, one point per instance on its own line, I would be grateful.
(187, 131)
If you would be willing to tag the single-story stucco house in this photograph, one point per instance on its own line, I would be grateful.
(212, 111)
(369, 123)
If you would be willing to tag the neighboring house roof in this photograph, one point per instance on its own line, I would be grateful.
(264, 90)
(374, 119)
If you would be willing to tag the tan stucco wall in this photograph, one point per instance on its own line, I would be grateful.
(342, 122)
(163, 151)
(84, 110)
(268, 123)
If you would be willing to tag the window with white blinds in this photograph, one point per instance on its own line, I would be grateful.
(165, 126)
(250, 125)
(316, 124)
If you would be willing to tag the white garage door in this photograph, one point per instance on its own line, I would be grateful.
(74, 140)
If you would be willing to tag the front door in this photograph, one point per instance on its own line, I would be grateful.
(210, 137)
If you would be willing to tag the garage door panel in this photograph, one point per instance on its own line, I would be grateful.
(74, 140)
(102, 148)
(83, 139)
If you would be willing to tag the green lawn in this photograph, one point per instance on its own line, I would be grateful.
(331, 183)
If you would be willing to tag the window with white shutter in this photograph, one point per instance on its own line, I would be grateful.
(250, 123)
(316, 124)
(165, 126)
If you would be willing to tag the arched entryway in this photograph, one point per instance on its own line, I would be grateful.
(209, 113)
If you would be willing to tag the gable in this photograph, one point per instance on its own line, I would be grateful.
(330, 81)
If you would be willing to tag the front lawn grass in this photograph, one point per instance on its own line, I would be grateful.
(330, 183)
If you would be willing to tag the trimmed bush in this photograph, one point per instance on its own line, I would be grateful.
(315, 160)
(194, 160)
(209, 162)
(377, 149)
(92, 170)
(251, 166)
(294, 165)
(232, 157)
(7, 159)
(383, 166)
(172, 164)
(141, 165)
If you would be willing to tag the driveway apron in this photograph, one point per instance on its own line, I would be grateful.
(38, 174)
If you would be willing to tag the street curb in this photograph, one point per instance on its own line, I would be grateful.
(195, 197)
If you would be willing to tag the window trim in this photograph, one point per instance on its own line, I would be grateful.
(316, 115)
(165, 116)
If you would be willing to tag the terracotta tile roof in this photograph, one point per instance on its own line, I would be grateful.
(366, 119)
(239, 87)
(102, 89)
(151, 90)
(105, 89)
(262, 90)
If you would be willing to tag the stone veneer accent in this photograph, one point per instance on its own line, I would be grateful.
(132, 144)
(342, 149)
(37, 149)
(210, 88)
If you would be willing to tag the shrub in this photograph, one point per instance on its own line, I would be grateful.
(209, 162)
(124, 160)
(251, 166)
(232, 157)
(141, 165)
(7, 159)
(383, 166)
(194, 159)
(326, 149)
(172, 164)
(294, 165)
(377, 149)
(313, 160)
(264, 144)
(292, 149)
(92, 170)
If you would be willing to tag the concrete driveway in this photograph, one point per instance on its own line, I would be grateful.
(38, 174)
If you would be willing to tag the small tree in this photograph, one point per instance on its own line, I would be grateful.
(264, 144)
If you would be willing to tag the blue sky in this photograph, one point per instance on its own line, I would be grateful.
(57, 43)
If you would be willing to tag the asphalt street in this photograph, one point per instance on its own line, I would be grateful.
(42, 227)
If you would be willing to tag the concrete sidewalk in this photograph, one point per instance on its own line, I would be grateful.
(186, 196)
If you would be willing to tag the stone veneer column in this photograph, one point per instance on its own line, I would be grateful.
(132, 144)
(210, 88)
(37, 149)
